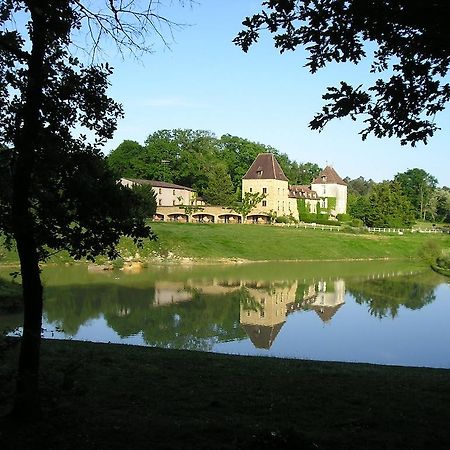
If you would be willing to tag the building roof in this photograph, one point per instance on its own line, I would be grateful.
(329, 176)
(298, 191)
(326, 313)
(262, 336)
(265, 167)
(155, 183)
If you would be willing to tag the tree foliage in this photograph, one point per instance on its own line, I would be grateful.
(418, 186)
(220, 189)
(145, 204)
(59, 191)
(389, 207)
(190, 157)
(249, 202)
(410, 50)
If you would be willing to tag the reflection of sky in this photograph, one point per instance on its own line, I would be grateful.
(413, 338)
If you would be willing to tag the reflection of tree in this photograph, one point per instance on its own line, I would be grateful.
(196, 324)
(385, 296)
(72, 306)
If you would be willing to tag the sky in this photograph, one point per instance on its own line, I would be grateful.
(205, 82)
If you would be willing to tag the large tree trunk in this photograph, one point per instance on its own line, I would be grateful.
(27, 145)
(27, 391)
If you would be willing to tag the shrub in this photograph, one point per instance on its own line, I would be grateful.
(285, 219)
(357, 223)
(344, 217)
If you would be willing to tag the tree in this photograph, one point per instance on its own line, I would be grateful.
(128, 160)
(248, 203)
(220, 189)
(389, 207)
(441, 211)
(359, 207)
(303, 173)
(146, 201)
(410, 47)
(181, 156)
(61, 193)
(359, 186)
(418, 186)
(238, 154)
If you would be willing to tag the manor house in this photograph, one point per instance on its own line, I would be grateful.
(326, 195)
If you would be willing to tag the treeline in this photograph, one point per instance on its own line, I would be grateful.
(213, 166)
(412, 195)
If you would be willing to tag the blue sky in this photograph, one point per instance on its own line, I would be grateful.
(205, 82)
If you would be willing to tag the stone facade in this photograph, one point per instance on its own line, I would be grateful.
(327, 194)
(167, 194)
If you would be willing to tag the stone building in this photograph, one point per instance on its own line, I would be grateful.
(327, 194)
(167, 194)
(332, 190)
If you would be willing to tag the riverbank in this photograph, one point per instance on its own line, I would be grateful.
(110, 396)
(188, 243)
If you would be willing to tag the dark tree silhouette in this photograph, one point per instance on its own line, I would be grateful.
(60, 194)
(411, 52)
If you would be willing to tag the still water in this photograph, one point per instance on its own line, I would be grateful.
(379, 312)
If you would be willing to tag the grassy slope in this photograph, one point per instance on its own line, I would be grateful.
(106, 396)
(257, 243)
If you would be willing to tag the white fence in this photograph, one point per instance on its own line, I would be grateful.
(405, 230)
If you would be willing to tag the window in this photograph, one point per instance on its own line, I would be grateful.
(173, 202)
(251, 190)
(173, 192)
(264, 203)
(160, 190)
(264, 190)
(159, 202)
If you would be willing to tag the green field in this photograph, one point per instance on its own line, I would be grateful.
(259, 243)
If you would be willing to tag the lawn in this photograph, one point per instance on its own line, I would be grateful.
(100, 396)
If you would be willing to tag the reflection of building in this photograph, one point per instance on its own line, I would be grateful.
(263, 317)
(168, 292)
(328, 299)
(264, 306)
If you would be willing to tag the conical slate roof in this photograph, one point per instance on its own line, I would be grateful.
(265, 167)
(329, 176)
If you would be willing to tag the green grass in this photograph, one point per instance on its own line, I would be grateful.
(258, 243)
(98, 396)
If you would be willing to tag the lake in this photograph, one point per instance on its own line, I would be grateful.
(376, 312)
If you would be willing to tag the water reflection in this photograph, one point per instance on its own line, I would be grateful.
(264, 308)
